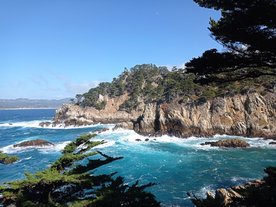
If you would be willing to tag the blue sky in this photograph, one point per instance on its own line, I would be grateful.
(57, 48)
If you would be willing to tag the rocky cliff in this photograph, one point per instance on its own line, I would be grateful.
(249, 114)
(71, 114)
(255, 193)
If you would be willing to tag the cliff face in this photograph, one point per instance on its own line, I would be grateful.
(70, 114)
(248, 115)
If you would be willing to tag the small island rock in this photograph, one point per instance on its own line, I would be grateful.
(232, 143)
(7, 159)
(45, 124)
(34, 143)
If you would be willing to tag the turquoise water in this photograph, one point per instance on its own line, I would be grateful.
(177, 166)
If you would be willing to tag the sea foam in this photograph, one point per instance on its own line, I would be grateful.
(130, 136)
(10, 149)
(35, 124)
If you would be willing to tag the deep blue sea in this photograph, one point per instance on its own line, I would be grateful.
(177, 166)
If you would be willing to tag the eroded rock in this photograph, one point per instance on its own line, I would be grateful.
(34, 143)
(248, 114)
(231, 143)
(45, 124)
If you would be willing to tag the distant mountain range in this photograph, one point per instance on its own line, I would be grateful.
(32, 103)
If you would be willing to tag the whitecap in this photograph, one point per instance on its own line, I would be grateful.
(240, 180)
(105, 144)
(10, 149)
(203, 190)
(27, 158)
(56, 148)
(260, 142)
(131, 137)
(35, 124)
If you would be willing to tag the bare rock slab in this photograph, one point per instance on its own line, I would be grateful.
(34, 143)
(229, 143)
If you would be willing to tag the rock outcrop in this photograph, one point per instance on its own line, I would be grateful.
(7, 159)
(34, 143)
(229, 143)
(249, 114)
(255, 193)
(74, 115)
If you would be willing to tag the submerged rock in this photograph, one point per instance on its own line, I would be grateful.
(232, 143)
(34, 143)
(101, 130)
(272, 143)
(45, 124)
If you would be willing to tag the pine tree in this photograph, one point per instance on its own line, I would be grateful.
(247, 31)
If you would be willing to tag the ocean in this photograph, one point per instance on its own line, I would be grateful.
(177, 166)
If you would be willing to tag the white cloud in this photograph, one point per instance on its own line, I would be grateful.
(59, 85)
(79, 88)
(72, 87)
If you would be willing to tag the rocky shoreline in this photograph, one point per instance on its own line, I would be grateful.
(253, 193)
(250, 115)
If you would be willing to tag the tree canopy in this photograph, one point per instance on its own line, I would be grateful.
(247, 31)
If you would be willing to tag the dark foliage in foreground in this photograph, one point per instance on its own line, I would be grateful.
(247, 31)
(71, 182)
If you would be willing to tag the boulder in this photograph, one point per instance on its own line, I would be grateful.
(207, 143)
(45, 124)
(34, 143)
(231, 143)
(101, 130)
(7, 159)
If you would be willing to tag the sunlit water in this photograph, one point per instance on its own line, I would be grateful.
(177, 166)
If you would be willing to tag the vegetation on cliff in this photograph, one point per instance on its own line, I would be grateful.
(7, 159)
(70, 182)
(148, 83)
(246, 30)
(142, 81)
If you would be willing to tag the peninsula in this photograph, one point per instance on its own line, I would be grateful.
(154, 101)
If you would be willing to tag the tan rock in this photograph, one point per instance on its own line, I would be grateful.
(248, 115)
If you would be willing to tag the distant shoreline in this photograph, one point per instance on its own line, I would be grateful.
(28, 108)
